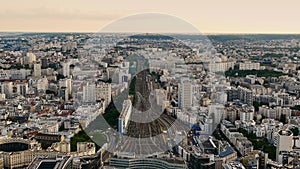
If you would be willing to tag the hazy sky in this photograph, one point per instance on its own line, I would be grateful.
(209, 16)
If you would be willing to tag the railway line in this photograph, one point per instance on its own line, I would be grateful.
(144, 138)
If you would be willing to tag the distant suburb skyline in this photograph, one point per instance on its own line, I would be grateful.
(208, 16)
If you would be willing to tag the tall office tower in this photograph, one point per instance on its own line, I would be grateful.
(44, 63)
(37, 71)
(66, 83)
(64, 93)
(103, 91)
(284, 143)
(245, 95)
(69, 85)
(185, 94)
(66, 69)
(89, 94)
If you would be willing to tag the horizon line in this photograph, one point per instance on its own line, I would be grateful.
(206, 33)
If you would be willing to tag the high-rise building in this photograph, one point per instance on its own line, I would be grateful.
(66, 83)
(30, 58)
(37, 71)
(22, 88)
(232, 94)
(246, 115)
(274, 113)
(69, 85)
(44, 63)
(185, 94)
(231, 114)
(284, 143)
(66, 69)
(64, 93)
(245, 95)
(103, 91)
(286, 99)
(89, 94)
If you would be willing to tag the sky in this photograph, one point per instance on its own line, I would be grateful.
(208, 16)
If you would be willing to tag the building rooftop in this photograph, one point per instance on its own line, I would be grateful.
(50, 163)
(229, 150)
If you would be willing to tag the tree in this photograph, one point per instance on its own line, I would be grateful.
(283, 118)
(81, 136)
(61, 127)
(295, 131)
(297, 107)
(259, 73)
(111, 115)
(59, 76)
(256, 105)
(260, 143)
(50, 92)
